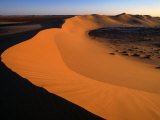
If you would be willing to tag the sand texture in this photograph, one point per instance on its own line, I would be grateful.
(67, 62)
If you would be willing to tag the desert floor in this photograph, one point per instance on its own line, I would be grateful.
(69, 63)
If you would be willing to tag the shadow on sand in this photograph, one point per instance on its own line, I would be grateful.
(20, 99)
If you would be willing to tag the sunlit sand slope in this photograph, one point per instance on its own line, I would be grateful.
(68, 63)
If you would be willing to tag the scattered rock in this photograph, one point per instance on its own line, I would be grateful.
(112, 53)
(141, 43)
(147, 56)
(130, 50)
(136, 48)
(126, 54)
(157, 67)
(135, 55)
(157, 44)
(140, 51)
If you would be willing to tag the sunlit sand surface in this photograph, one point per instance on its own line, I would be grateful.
(67, 62)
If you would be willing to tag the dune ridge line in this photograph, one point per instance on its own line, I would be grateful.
(68, 63)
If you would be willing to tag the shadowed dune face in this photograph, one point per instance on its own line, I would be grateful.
(31, 23)
(21, 99)
(68, 63)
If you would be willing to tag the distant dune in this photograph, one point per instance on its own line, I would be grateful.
(18, 24)
(31, 18)
(67, 62)
(141, 20)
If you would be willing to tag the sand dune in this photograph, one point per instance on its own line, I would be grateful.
(138, 20)
(68, 63)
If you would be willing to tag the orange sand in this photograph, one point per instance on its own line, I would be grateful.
(68, 63)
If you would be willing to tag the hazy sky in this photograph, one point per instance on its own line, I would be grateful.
(54, 7)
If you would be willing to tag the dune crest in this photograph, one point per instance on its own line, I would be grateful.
(68, 63)
(137, 20)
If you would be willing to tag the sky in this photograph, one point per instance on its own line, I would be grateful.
(79, 7)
